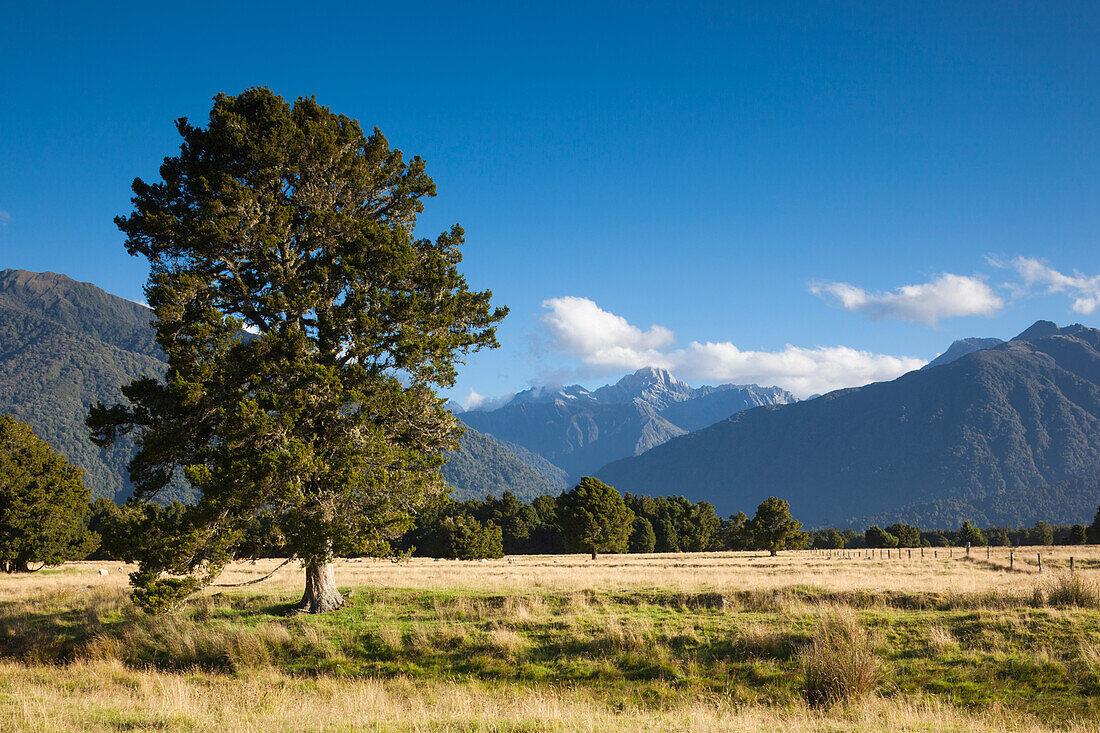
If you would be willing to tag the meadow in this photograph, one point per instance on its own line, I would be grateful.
(688, 642)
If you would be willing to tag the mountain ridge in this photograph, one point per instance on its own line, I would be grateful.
(1023, 415)
(580, 429)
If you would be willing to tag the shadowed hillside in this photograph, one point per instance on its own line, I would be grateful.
(1019, 417)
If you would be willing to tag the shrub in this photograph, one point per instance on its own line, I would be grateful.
(840, 663)
(1073, 590)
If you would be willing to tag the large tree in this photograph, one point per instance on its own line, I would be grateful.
(594, 517)
(44, 506)
(774, 529)
(306, 329)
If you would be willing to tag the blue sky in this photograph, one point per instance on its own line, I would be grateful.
(808, 194)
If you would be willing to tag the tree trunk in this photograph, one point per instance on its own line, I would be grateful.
(773, 552)
(22, 565)
(593, 553)
(321, 594)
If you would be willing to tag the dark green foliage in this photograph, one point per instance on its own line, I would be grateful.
(44, 507)
(286, 220)
(907, 535)
(997, 536)
(594, 518)
(483, 466)
(465, 538)
(774, 529)
(1093, 530)
(1041, 534)
(1077, 535)
(828, 539)
(733, 532)
(65, 345)
(642, 538)
(877, 537)
(976, 431)
(970, 535)
(523, 528)
(679, 525)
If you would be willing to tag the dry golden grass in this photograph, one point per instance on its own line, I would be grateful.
(722, 572)
(498, 609)
(102, 696)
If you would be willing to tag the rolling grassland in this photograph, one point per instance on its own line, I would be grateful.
(699, 642)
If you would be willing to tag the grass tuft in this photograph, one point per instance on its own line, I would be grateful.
(840, 663)
(1073, 590)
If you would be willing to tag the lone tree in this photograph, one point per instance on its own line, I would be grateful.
(306, 329)
(774, 529)
(44, 506)
(594, 517)
(970, 535)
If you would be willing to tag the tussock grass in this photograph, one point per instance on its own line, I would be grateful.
(1073, 589)
(840, 663)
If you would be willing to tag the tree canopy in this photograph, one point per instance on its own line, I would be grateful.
(44, 506)
(306, 329)
(594, 517)
(774, 529)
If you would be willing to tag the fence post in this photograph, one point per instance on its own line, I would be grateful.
(1011, 558)
(922, 552)
(968, 549)
(1040, 556)
(937, 553)
(910, 555)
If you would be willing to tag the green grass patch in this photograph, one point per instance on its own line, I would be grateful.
(646, 646)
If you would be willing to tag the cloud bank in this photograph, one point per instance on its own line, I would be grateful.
(947, 296)
(1083, 290)
(605, 343)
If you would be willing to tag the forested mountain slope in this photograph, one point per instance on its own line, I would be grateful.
(1017, 419)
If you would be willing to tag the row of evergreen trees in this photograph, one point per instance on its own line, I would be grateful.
(592, 517)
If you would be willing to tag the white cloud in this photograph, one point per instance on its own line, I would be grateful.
(580, 328)
(477, 401)
(947, 296)
(803, 371)
(1084, 290)
(605, 342)
(5, 217)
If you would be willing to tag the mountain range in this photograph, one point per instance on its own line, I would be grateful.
(581, 430)
(997, 432)
(1007, 431)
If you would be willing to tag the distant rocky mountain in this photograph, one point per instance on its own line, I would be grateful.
(65, 345)
(580, 430)
(1008, 431)
(961, 348)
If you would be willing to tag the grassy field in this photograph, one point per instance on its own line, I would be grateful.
(722, 641)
